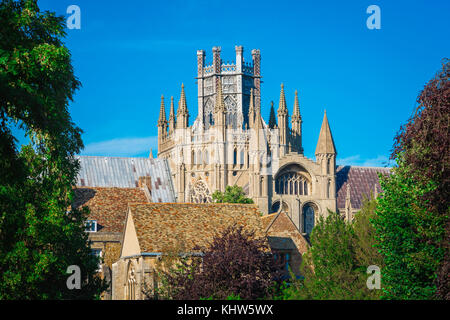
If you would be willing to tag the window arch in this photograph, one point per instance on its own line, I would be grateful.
(206, 157)
(308, 218)
(241, 157)
(234, 156)
(199, 157)
(276, 207)
(292, 183)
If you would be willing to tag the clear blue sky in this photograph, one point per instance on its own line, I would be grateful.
(128, 53)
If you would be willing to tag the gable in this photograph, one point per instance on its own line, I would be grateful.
(130, 243)
(282, 234)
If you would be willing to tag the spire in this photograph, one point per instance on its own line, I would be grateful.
(325, 144)
(272, 118)
(182, 106)
(182, 121)
(251, 111)
(150, 156)
(171, 116)
(282, 108)
(162, 113)
(296, 113)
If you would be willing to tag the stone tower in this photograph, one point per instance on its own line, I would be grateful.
(229, 143)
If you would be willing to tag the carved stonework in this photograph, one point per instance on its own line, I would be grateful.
(200, 193)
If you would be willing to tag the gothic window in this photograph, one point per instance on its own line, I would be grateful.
(199, 193)
(193, 157)
(328, 166)
(206, 157)
(328, 188)
(234, 156)
(308, 218)
(199, 157)
(231, 112)
(241, 157)
(291, 183)
(208, 119)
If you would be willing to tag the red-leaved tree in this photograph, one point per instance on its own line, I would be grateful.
(424, 144)
(236, 264)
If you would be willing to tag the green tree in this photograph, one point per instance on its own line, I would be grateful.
(403, 223)
(39, 236)
(414, 225)
(328, 266)
(365, 235)
(366, 252)
(335, 265)
(232, 194)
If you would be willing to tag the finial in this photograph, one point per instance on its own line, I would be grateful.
(150, 156)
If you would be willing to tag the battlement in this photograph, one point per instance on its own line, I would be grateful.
(217, 66)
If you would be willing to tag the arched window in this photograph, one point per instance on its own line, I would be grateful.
(328, 189)
(241, 157)
(234, 156)
(276, 207)
(192, 157)
(291, 183)
(308, 218)
(328, 166)
(199, 157)
(206, 157)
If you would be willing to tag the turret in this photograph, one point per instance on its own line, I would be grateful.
(283, 122)
(172, 120)
(256, 57)
(162, 124)
(326, 158)
(297, 126)
(182, 112)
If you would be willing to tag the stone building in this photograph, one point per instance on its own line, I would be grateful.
(229, 143)
(157, 228)
(139, 205)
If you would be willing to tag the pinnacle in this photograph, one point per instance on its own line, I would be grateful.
(282, 108)
(325, 144)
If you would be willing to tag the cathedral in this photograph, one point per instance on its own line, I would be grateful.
(141, 208)
(229, 143)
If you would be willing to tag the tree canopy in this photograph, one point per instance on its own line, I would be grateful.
(232, 194)
(40, 236)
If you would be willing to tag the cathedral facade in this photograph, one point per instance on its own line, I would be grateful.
(229, 143)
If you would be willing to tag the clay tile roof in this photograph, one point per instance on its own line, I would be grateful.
(268, 219)
(362, 181)
(161, 225)
(108, 205)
